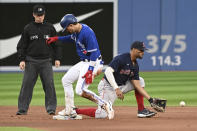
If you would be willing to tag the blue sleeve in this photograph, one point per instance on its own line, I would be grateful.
(92, 46)
(65, 38)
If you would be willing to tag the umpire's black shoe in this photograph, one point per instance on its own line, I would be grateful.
(51, 112)
(145, 113)
(21, 112)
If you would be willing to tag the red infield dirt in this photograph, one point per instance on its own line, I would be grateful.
(174, 119)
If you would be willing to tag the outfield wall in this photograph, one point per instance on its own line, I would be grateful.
(168, 28)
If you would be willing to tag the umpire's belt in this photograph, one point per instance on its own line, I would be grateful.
(88, 60)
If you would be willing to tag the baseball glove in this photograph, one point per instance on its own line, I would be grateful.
(158, 104)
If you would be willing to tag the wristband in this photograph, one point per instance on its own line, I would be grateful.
(91, 68)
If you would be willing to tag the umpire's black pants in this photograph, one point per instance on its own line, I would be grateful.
(33, 68)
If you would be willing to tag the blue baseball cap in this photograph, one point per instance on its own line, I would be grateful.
(67, 20)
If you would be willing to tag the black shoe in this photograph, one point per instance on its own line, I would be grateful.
(145, 113)
(75, 108)
(21, 112)
(51, 112)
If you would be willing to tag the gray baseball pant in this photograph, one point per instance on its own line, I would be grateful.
(33, 68)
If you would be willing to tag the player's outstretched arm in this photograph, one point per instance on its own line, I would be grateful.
(67, 38)
(156, 103)
(51, 39)
(137, 86)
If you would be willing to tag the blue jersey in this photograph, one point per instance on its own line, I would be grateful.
(124, 69)
(85, 41)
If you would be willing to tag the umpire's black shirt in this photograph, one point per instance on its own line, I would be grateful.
(33, 42)
(124, 69)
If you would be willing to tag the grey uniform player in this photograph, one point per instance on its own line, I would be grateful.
(121, 77)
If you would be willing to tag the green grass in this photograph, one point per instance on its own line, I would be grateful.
(17, 129)
(173, 86)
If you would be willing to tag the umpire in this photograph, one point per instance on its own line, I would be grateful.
(35, 59)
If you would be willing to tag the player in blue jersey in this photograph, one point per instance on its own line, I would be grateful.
(91, 63)
(121, 77)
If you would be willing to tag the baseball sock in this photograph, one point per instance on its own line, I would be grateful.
(140, 100)
(88, 112)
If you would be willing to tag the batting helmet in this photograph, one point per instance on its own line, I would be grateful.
(66, 20)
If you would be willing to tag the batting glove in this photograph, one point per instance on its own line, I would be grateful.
(51, 40)
(89, 75)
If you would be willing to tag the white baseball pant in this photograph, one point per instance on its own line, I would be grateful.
(107, 93)
(76, 73)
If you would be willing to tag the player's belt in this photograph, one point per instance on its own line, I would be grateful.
(88, 60)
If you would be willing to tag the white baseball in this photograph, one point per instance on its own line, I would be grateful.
(182, 103)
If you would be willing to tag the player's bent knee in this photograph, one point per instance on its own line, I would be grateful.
(63, 79)
(79, 92)
(65, 82)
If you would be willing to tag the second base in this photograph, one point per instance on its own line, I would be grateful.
(60, 117)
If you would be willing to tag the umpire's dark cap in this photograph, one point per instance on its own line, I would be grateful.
(39, 10)
(139, 45)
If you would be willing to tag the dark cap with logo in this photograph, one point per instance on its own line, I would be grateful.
(39, 10)
(139, 45)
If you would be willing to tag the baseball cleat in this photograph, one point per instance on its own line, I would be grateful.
(51, 112)
(62, 115)
(21, 112)
(145, 113)
(109, 109)
(62, 112)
